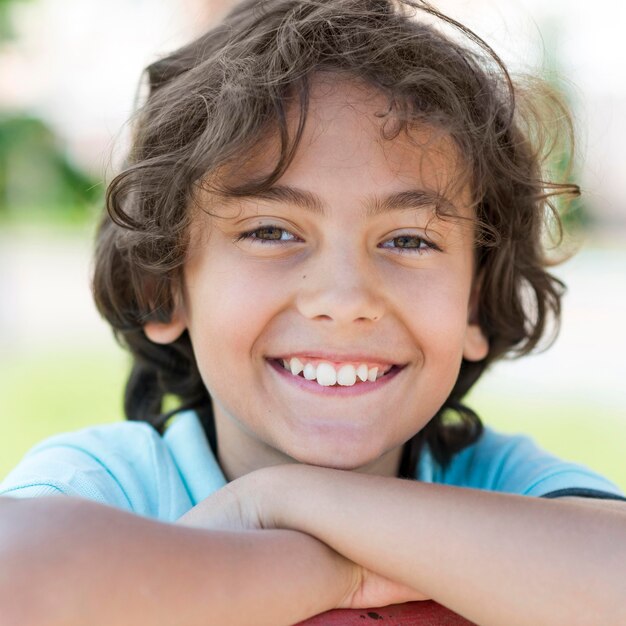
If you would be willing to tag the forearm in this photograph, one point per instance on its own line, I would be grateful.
(495, 558)
(67, 561)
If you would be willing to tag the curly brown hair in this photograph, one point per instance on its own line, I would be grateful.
(209, 103)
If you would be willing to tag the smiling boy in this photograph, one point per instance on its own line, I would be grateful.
(329, 225)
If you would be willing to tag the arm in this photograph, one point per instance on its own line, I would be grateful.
(73, 562)
(494, 558)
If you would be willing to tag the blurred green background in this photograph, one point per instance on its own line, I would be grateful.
(65, 93)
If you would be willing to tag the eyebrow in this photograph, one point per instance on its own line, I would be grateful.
(408, 200)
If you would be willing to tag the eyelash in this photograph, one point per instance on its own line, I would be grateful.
(249, 235)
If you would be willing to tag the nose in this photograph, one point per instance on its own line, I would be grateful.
(341, 287)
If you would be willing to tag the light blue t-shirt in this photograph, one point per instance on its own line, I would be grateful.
(130, 466)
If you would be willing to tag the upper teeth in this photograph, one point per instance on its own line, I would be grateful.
(326, 374)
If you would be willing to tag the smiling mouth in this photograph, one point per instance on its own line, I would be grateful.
(326, 374)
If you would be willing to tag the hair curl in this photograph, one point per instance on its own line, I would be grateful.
(210, 101)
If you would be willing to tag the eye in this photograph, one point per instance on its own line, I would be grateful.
(407, 243)
(267, 234)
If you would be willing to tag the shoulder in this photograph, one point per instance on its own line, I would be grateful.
(516, 464)
(126, 465)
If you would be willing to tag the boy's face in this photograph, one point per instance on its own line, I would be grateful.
(347, 265)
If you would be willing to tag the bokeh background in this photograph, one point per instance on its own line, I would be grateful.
(69, 71)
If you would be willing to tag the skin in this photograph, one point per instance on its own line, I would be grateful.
(494, 558)
(73, 562)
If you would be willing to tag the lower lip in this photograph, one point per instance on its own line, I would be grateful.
(358, 389)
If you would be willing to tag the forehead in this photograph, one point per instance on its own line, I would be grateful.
(352, 131)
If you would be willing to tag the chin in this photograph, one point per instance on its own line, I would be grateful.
(348, 467)
(348, 460)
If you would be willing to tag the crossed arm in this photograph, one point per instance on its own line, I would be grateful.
(283, 543)
(494, 558)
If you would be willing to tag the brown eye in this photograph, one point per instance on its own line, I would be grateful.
(409, 244)
(267, 234)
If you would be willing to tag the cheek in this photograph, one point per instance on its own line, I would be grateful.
(249, 297)
(434, 303)
(229, 308)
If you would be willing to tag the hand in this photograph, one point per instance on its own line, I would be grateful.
(239, 506)
(371, 590)
(233, 507)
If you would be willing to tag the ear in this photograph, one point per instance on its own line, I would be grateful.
(164, 332)
(476, 344)
(167, 332)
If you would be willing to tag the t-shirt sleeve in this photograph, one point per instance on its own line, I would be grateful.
(515, 464)
(125, 465)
